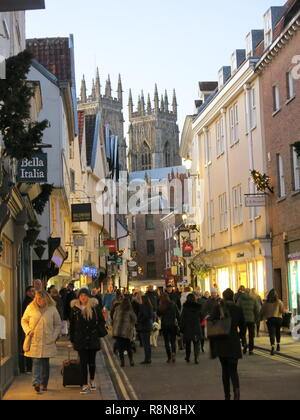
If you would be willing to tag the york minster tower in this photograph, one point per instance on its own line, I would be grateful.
(153, 133)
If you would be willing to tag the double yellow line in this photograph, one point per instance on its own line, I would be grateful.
(123, 383)
(280, 359)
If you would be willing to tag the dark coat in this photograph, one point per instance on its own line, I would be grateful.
(85, 334)
(210, 306)
(153, 297)
(190, 323)
(59, 306)
(25, 303)
(229, 347)
(175, 297)
(170, 317)
(145, 319)
(70, 296)
(250, 308)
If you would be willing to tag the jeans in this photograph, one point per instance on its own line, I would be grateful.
(188, 348)
(145, 337)
(274, 327)
(229, 372)
(170, 341)
(250, 326)
(40, 372)
(87, 360)
(124, 344)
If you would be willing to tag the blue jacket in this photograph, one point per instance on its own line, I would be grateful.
(108, 300)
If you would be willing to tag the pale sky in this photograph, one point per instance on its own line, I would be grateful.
(173, 43)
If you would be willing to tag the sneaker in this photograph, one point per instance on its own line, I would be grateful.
(85, 390)
(93, 386)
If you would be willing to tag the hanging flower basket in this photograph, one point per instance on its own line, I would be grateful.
(201, 270)
(32, 235)
(262, 182)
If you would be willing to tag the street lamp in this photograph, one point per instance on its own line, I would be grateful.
(188, 162)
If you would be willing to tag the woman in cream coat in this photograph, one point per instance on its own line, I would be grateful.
(42, 322)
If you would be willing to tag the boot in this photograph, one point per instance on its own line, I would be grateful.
(278, 347)
(122, 359)
(273, 351)
(173, 357)
(237, 394)
(227, 397)
(131, 361)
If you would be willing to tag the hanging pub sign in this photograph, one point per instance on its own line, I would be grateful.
(33, 170)
(119, 261)
(255, 200)
(82, 212)
(187, 249)
(103, 251)
(111, 245)
(112, 258)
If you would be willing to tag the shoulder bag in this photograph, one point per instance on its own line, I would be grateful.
(219, 327)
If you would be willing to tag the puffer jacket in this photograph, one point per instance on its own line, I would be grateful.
(46, 332)
(249, 307)
(190, 323)
(124, 323)
(85, 333)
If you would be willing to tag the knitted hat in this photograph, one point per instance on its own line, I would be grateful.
(84, 291)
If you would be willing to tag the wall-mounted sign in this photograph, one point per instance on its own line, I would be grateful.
(174, 270)
(90, 272)
(33, 170)
(187, 249)
(82, 212)
(79, 240)
(255, 200)
(13, 5)
(119, 260)
(132, 264)
(177, 252)
(111, 245)
(103, 251)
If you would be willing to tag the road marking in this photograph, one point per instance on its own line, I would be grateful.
(281, 359)
(119, 379)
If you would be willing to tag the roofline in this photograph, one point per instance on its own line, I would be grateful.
(39, 67)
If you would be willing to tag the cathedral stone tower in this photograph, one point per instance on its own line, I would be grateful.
(111, 109)
(153, 133)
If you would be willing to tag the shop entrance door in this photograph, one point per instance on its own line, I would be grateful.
(242, 275)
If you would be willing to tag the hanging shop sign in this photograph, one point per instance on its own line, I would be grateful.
(119, 260)
(132, 264)
(33, 170)
(187, 249)
(13, 5)
(111, 245)
(177, 252)
(134, 274)
(174, 270)
(112, 258)
(103, 251)
(255, 200)
(81, 212)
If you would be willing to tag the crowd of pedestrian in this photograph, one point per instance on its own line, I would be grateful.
(230, 322)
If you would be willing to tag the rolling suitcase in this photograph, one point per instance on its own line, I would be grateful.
(71, 372)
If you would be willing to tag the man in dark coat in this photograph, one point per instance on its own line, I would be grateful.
(153, 297)
(70, 296)
(228, 348)
(190, 326)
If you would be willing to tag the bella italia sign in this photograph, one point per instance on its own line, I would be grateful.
(33, 170)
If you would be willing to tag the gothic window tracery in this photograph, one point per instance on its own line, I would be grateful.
(167, 154)
(146, 157)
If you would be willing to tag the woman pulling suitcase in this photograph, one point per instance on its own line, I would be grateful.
(87, 325)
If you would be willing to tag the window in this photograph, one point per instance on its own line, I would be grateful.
(281, 178)
(268, 29)
(207, 146)
(211, 218)
(223, 210)
(276, 99)
(167, 155)
(220, 138)
(134, 246)
(72, 180)
(151, 270)
(234, 124)
(150, 247)
(290, 87)
(252, 109)
(146, 157)
(6, 311)
(133, 222)
(149, 222)
(6, 31)
(296, 169)
(237, 205)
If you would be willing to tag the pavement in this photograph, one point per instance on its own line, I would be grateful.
(21, 389)
(289, 347)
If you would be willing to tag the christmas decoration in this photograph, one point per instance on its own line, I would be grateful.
(21, 136)
(262, 181)
(201, 270)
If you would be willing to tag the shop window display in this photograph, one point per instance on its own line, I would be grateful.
(5, 300)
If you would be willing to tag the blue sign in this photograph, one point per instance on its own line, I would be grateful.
(90, 272)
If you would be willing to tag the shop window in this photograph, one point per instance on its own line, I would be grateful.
(6, 305)
(223, 279)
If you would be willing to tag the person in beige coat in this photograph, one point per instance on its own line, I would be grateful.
(42, 322)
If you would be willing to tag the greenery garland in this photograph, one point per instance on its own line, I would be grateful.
(41, 200)
(20, 135)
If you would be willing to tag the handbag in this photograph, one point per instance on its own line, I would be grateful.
(219, 327)
(101, 327)
(28, 338)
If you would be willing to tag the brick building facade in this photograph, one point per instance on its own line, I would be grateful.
(280, 95)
